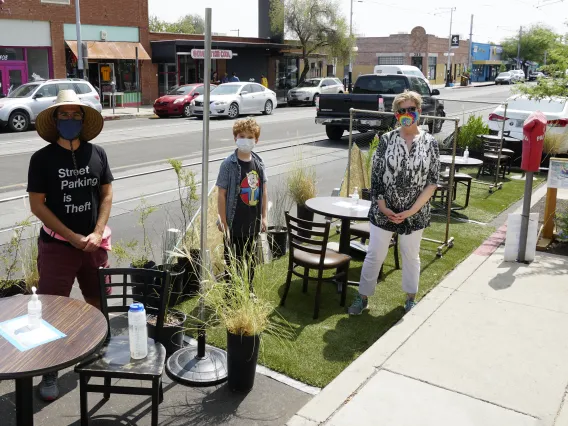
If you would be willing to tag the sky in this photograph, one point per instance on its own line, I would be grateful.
(491, 22)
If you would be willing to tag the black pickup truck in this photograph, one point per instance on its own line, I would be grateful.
(333, 110)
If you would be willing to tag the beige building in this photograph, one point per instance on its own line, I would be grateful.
(417, 48)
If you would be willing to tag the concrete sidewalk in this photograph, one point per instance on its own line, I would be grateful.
(471, 86)
(486, 347)
(120, 113)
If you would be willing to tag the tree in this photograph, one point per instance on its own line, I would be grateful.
(188, 24)
(316, 24)
(534, 42)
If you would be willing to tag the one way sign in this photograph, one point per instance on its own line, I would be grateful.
(455, 40)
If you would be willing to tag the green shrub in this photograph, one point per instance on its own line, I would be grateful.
(467, 136)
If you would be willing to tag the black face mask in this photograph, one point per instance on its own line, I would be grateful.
(69, 129)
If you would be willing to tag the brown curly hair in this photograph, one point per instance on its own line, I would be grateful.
(246, 125)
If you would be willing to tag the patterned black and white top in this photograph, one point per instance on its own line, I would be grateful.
(399, 177)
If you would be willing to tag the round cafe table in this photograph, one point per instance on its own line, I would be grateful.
(342, 208)
(460, 161)
(85, 328)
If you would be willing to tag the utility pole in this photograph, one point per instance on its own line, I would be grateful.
(469, 57)
(519, 49)
(350, 85)
(238, 31)
(79, 41)
(448, 71)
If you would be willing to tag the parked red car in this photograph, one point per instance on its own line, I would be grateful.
(177, 100)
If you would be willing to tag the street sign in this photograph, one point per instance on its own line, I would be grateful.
(215, 54)
(455, 40)
(446, 54)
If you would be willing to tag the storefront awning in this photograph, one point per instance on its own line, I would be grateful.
(111, 50)
(487, 62)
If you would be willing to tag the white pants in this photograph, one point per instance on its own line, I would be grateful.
(409, 247)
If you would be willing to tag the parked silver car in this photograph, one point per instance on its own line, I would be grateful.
(309, 90)
(232, 99)
(23, 104)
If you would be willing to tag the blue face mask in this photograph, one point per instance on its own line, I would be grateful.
(69, 129)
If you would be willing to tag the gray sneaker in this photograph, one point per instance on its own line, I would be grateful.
(410, 303)
(358, 306)
(48, 389)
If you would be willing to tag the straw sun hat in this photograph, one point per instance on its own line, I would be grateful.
(46, 125)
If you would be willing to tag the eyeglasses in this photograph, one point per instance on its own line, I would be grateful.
(70, 115)
(405, 110)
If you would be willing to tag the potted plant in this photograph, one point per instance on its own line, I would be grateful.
(468, 136)
(188, 199)
(139, 256)
(277, 233)
(301, 182)
(9, 258)
(245, 316)
(368, 167)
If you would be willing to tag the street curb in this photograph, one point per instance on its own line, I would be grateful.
(350, 381)
(474, 86)
(127, 116)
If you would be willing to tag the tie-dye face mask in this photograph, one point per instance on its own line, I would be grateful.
(408, 118)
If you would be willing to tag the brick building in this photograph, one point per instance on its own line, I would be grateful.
(417, 48)
(38, 40)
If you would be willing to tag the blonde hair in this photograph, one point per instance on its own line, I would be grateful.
(246, 125)
(407, 95)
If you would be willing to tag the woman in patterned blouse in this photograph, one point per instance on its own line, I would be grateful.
(405, 173)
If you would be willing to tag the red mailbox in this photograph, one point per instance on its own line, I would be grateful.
(534, 129)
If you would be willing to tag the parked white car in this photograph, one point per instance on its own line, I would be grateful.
(23, 104)
(309, 90)
(518, 75)
(233, 99)
(520, 107)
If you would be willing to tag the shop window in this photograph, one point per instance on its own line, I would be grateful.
(391, 60)
(167, 78)
(432, 62)
(38, 64)
(287, 73)
(126, 76)
(11, 54)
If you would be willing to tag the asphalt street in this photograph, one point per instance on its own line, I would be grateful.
(132, 144)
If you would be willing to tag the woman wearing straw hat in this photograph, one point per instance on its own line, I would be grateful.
(69, 182)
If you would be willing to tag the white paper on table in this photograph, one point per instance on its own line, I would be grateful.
(18, 332)
(352, 206)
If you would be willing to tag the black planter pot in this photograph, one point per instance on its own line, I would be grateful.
(176, 284)
(13, 288)
(278, 241)
(304, 213)
(190, 284)
(366, 194)
(242, 355)
(172, 335)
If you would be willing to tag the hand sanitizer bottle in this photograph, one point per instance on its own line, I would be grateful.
(466, 154)
(34, 310)
(355, 195)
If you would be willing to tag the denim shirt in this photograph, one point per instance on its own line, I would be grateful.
(230, 179)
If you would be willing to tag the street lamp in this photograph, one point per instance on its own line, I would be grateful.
(355, 48)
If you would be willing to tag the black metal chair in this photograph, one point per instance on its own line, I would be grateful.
(463, 179)
(312, 253)
(113, 360)
(492, 160)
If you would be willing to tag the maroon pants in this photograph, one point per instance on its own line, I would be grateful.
(59, 264)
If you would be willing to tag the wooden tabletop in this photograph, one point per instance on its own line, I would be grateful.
(460, 161)
(85, 328)
(328, 206)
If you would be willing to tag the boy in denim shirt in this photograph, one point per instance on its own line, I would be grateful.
(242, 202)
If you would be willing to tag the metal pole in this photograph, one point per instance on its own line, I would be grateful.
(349, 151)
(138, 81)
(519, 49)
(451, 182)
(205, 173)
(79, 41)
(469, 56)
(350, 84)
(448, 71)
(498, 165)
(525, 218)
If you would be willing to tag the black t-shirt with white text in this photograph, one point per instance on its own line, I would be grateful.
(247, 214)
(73, 196)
